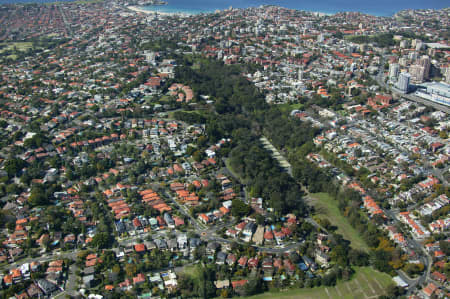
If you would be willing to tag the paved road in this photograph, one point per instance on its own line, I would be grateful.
(412, 283)
(273, 250)
(417, 247)
(71, 285)
(227, 172)
(210, 235)
(284, 163)
(439, 173)
(66, 23)
(71, 254)
(420, 100)
(412, 97)
(425, 259)
(183, 209)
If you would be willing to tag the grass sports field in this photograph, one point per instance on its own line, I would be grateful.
(366, 283)
(20, 46)
(326, 207)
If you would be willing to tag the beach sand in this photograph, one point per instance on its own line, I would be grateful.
(154, 12)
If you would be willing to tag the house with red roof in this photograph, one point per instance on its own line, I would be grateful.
(268, 236)
(92, 260)
(16, 275)
(109, 287)
(277, 263)
(439, 277)
(224, 210)
(238, 283)
(231, 259)
(205, 183)
(289, 266)
(253, 263)
(139, 279)
(139, 248)
(435, 146)
(197, 184)
(429, 290)
(125, 285)
(177, 168)
(279, 235)
(243, 261)
(286, 231)
(428, 183)
(176, 186)
(231, 233)
(178, 221)
(8, 280)
(439, 254)
(240, 226)
(137, 223)
(204, 218)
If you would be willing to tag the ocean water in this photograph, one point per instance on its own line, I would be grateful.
(374, 7)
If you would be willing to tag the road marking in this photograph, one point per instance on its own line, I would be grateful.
(360, 289)
(378, 283)
(337, 290)
(370, 286)
(356, 287)
(348, 287)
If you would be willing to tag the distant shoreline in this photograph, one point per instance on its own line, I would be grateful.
(182, 12)
(141, 9)
(147, 10)
(323, 7)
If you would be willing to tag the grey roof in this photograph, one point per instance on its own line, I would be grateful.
(194, 242)
(168, 219)
(172, 243)
(221, 256)
(250, 226)
(89, 270)
(46, 286)
(213, 245)
(161, 243)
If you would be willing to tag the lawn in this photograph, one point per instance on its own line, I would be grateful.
(165, 98)
(228, 166)
(365, 283)
(287, 108)
(203, 113)
(20, 46)
(191, 270)
(326, 207)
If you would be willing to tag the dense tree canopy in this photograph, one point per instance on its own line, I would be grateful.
(243, 115)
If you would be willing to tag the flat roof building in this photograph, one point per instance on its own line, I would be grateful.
(437, 92)
(403, 82)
